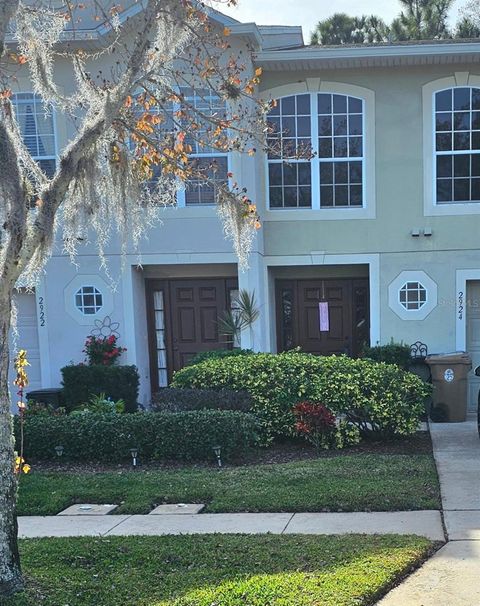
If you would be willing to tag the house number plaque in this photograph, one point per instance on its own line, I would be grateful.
(41, 310)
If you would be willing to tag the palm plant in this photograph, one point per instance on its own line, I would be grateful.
(242, 316)
(422, 20)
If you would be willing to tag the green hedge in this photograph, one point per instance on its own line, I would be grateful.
(218, 353)
(81, 382)
(187, 436)
(376, 397)
(393, 353)
(171, 399)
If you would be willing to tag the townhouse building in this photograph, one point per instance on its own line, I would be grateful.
(382, 223)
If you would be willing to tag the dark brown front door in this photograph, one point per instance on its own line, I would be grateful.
(183, 321)
(195, 307)
(299, 322)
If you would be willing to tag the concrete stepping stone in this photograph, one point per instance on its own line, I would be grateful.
(177, 509)
(88, 509)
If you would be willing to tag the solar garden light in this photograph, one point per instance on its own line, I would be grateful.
(134, 453)
(218, 451)
(59, 450)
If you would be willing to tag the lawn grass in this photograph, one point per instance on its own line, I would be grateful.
(220, 570)
(362, 482)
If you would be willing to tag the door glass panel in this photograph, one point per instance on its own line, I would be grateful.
(158, 306)
(234, 308)
(287, 319)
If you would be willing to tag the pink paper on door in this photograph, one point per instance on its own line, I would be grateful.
(323, 316)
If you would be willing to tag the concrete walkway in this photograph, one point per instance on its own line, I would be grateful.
(423, 523)
(451, 577)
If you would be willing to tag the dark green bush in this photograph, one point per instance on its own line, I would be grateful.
(187, 436)
(171, 399)
(218, 353)
(374, 396)
(393, 353)
(81, 382)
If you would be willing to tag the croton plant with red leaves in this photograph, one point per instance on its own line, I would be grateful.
(315, 422)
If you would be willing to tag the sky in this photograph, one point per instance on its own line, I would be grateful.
(308, 12)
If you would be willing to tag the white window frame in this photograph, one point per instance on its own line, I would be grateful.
(313, 86)
(36, 97)
(74, 285)
(181, 193)
(399, 282)
(429, 90)
(418, 302)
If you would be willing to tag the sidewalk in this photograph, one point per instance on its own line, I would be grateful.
(423, 523)
(451, 577)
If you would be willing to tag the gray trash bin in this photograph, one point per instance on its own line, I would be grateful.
(449, 378)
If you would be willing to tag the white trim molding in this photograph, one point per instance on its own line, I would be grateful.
(319, 258)
(88, 280)
(313, 86)
(399, 282)
(430, 206)
(463, 276)
(41, 302)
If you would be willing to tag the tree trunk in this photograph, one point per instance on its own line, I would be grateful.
(10, 573)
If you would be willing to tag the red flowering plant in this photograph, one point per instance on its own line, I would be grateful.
(102, 350)
(316, 423)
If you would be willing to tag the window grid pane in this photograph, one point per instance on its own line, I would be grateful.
(289, 138)
(457, 145)
(36, 124)
(159, 310)
(211, 164)
(203, 188)
(412, 296)
(340, 145)
(88, 300)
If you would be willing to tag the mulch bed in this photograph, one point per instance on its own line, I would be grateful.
(286, 452)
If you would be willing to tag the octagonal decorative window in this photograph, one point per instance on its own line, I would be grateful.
(88, 300)
(412, 295)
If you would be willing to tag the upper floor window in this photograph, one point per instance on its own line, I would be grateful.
(316, 152)
(38, 130)
(457, 145)
(210, 163)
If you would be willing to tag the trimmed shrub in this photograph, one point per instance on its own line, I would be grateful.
(81, 383)
(274, 381)
(382, 400)
(393, 353)
(187, 436)
(218, 353)
(171, 399)
(376, 397)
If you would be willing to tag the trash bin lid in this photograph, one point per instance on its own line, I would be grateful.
(454, 357)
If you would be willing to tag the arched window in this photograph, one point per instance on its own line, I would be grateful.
(316, 152)
(457, 145)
